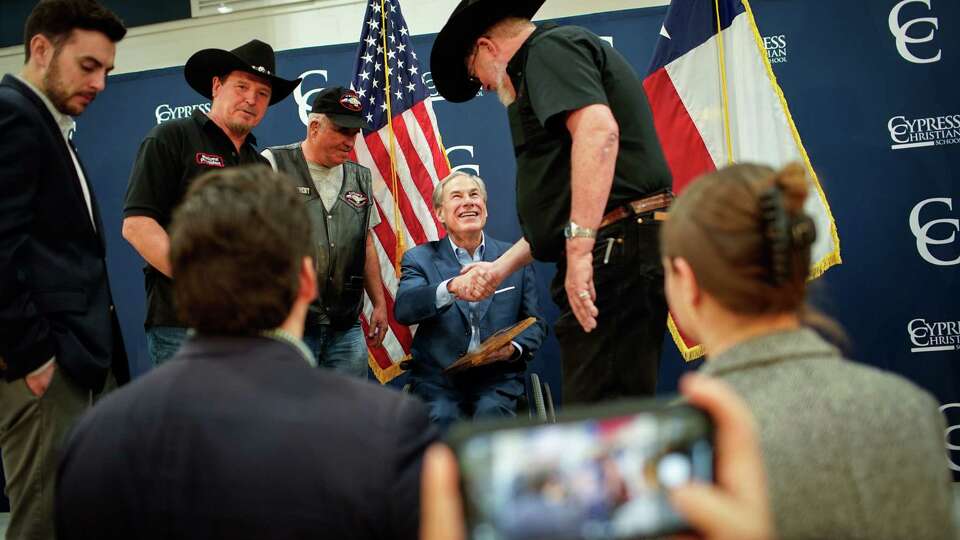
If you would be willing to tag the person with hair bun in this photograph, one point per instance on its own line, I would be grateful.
(850, 451)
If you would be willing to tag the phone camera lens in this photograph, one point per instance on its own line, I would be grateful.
(673, 470)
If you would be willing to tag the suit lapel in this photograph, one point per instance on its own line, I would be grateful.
(448, 265)
(64, 153)
(490, 254)
(97, 220)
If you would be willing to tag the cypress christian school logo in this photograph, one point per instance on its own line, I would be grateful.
(776, 47)
(920, 132)
(165, 112)
(934, 336)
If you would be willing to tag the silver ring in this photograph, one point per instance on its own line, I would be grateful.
(583, 294)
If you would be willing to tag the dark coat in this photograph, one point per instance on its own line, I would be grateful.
(241, 438)
(55, 298)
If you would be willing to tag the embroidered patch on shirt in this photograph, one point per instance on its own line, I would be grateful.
(209, 160)
(356, 199)
(303, 190)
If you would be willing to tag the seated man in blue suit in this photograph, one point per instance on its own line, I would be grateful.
(449, 327)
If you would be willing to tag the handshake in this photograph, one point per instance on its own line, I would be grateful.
(476, 281)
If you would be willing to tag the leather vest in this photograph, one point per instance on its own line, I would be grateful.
(339, 234)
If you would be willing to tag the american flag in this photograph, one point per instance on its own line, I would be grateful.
(402, 148)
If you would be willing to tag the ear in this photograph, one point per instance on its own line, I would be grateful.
(440, 217)
(308, 281)
(686, 280)
(489, 44)
(216, 86)
(41, 50)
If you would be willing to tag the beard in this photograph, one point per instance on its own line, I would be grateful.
(238, 129)
(56, 90)
(505, 92)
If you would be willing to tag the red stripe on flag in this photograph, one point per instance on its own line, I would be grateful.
(382, 158)
(421, 177)
(682, 144)
(439, 158)
(380, 354)
(401, 332)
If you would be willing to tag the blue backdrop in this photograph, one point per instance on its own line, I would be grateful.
(865, 86)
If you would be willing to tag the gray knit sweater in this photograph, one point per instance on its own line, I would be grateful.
(851, 451)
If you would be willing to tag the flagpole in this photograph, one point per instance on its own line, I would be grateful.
(723, 86)
(393, 144)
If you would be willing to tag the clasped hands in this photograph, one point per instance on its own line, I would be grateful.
(476, 281)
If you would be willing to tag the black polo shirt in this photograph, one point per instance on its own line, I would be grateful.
(170, 157)
(560, 70)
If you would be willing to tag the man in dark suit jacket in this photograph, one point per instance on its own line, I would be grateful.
(427, 295)
(243, 438)
(59, 334)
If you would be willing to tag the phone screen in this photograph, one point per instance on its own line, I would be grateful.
(594, 478)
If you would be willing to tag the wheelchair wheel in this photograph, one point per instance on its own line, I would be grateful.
(537, 391)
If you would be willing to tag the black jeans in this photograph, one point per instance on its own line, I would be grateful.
(620, 357)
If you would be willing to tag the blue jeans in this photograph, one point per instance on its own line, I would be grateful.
(344, 351)
(163, 342)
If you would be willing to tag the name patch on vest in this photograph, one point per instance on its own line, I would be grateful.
(209, 160)
(356, 199)
(303, 190)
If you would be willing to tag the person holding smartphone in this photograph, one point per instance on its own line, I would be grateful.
(851, 451)
(735, 508)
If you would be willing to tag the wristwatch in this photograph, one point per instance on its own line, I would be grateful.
(572, 230)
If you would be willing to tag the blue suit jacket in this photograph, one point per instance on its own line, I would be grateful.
(54, 295)
(443, 334)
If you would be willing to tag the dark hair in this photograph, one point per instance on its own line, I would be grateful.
(745, 235)
(236, 246)
(56, 20)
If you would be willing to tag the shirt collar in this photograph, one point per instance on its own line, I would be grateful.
(279, 334)
(776, 347)
(65, 122)
(480, 249)
(205, 122)
(516, 64)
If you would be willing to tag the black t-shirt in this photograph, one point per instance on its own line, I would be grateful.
(170, 157)
(560, 70)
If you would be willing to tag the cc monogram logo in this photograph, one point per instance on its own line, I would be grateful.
(922, 232)
(899, 32)
(303, 99)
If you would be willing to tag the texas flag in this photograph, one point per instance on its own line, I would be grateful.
(716, 101)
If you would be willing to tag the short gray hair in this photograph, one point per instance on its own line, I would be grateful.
(438, 189)
(320, 117)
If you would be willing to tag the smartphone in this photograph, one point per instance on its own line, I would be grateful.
(600, 472)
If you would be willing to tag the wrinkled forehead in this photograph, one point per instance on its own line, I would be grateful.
(460, 184)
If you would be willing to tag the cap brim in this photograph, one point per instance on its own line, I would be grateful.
(348, 121)
(206, 64)
(450, 49)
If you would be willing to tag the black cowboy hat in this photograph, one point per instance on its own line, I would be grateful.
(254, 57)
(453, 43)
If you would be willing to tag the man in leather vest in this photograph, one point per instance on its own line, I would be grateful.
(339, 199)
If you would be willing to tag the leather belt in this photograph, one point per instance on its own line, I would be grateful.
(640, 206)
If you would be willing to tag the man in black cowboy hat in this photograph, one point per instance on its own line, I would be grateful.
(590, 176)
(241, 84)
(339, 197)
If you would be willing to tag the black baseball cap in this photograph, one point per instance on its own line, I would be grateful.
(341, 105)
